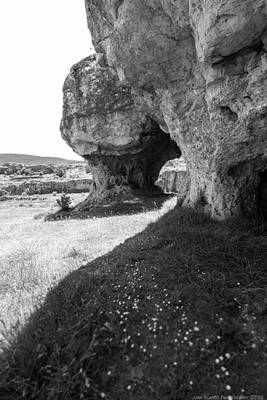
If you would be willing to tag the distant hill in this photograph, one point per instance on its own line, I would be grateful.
(32, 160)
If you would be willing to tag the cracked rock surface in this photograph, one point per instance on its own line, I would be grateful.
(198, 70)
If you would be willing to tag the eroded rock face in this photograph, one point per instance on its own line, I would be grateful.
(101, 123)
(139, 170)
(199, 69)
(173, 178)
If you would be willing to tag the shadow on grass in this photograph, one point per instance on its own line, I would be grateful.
(140, 202)
(177, 311)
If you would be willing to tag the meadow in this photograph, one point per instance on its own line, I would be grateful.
(35, 255)
(176, 311)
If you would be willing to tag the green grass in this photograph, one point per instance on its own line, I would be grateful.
(177, 311)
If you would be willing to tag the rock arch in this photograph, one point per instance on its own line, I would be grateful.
(199, 69)
(123, 145)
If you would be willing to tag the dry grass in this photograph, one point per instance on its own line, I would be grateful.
(35, 256)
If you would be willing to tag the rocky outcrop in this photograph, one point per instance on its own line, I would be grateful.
(3, 170)
(44, 179)
(173, 178)
(31, 187)
(195, 69)
(23, 169)
(101, 123)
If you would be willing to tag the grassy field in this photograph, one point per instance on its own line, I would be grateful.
(35, 255)
(179, 311)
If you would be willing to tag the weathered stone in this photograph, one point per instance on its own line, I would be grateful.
(199, 69)
(173, 178)
(101, 123)
(16, 168)
(43, 179)
(31, 187)
(41, 169)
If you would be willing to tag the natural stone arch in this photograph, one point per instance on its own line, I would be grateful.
(124, 146)
(198, 68)
(138, 170)
(174, 178)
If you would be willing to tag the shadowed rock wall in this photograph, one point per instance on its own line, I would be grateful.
(199, 69)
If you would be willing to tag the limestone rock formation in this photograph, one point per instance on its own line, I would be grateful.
(173, 178)
(31, 187)
(44, 179)
(194, 69)
(101, 123)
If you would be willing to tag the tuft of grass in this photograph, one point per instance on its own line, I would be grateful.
(21, 270)
(175, 312)
(35, 256)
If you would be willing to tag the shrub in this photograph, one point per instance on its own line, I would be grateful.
(60, 172)
(64, 202)
(25, 171)
(3, 192)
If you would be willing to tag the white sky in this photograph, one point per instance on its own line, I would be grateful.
(40, 41)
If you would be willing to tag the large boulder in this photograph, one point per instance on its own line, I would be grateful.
(197, 71)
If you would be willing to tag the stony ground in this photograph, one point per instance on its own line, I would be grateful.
(20, 179)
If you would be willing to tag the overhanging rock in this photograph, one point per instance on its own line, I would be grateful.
(197, 69)
(100, 122)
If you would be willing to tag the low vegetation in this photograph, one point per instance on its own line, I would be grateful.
(64, 202)
(177, 311)
(35, 255)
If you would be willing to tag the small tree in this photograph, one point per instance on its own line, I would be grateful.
(64, 202)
